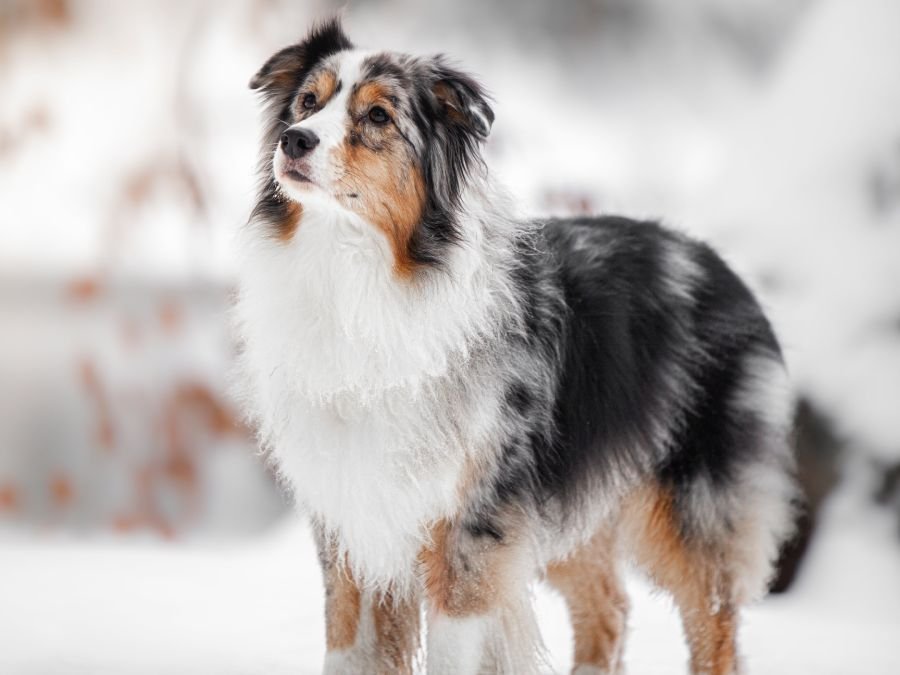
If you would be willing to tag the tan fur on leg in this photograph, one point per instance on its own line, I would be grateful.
(598, 606)
(342, 604)
(365, 631)
(465, 575)
(694, 572)
(396, 633)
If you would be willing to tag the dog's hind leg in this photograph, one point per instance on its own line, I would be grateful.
(697, 573)
(598, 606)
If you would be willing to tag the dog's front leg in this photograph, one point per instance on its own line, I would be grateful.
(479, 614)
(366, 631)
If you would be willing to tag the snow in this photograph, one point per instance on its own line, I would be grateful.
(136, 607)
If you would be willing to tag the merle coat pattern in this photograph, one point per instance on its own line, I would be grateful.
(464, 400)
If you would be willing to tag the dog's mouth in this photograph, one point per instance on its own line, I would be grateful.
(295, 175)
(293, 172)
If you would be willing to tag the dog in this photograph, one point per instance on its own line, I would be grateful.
(465, 401)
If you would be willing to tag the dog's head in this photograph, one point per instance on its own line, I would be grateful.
(389, 137)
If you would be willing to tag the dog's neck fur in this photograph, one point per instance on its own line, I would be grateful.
(357, 377)
(340, 322)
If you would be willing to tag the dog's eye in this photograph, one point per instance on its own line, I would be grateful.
(378, 115)
(309, 101)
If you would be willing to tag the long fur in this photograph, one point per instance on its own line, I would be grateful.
(548, 366)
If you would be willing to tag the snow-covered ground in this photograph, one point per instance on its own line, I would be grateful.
(135, 608)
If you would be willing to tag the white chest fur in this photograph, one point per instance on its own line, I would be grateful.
(353, 380)
(376, 478)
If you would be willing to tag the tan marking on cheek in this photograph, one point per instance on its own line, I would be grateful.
(285, 228)
(389, 188)
(342, 607)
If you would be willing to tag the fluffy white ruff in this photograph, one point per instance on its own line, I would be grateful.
(353, 381)
(335, 320)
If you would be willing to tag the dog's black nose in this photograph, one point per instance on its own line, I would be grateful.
(297, 142)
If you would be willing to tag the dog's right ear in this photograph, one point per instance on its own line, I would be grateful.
(287, 68)
(279, 69)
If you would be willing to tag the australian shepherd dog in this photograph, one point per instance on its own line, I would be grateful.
(465, 401)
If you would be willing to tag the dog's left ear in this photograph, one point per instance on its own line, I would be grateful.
(462, 100)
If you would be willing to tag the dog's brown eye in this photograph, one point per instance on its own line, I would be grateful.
(378, 115)
(309, 101)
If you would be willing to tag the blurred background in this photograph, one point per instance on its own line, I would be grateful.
(139, 529)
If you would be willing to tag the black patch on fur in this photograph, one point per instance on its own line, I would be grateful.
(717, 437)
(621, 340)
(519, 398)
(618, 338)
(271, 207)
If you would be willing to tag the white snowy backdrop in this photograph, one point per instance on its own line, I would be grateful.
(138, 531)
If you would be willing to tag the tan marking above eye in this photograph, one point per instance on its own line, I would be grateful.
(323, 86)
(369, 95)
